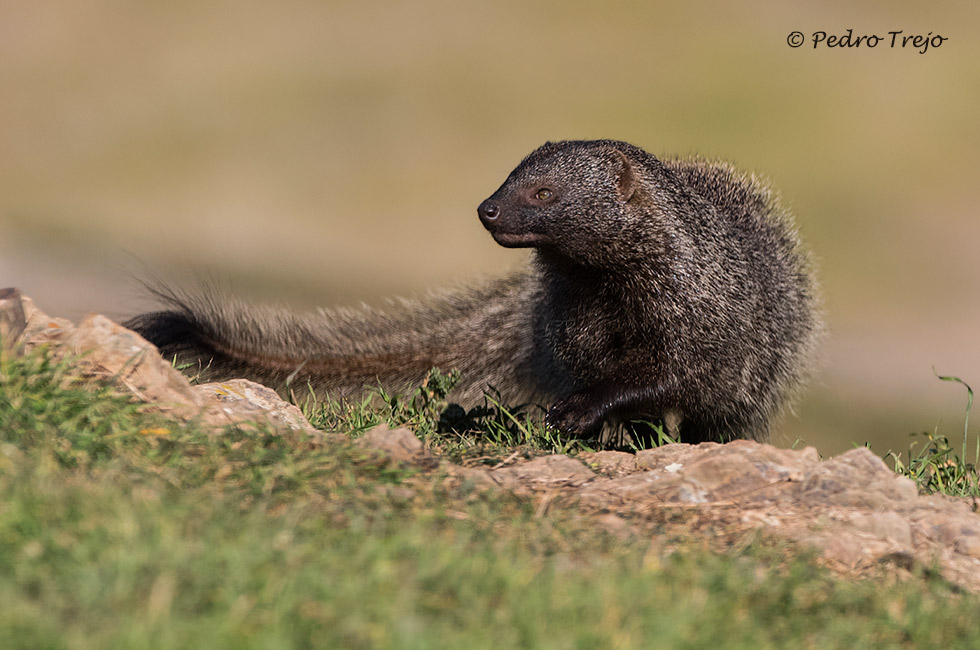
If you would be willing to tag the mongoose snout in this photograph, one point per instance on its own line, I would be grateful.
(506, 225)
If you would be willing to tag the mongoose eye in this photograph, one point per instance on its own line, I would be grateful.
(544, 194)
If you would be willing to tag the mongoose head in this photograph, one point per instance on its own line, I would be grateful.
(589, 202)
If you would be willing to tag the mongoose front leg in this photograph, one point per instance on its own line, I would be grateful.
(582, 413)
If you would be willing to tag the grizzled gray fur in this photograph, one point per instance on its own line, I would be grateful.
(672, 291)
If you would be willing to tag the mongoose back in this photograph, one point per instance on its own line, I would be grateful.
(671, 291)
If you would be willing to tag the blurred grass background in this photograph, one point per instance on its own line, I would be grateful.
(325, 152)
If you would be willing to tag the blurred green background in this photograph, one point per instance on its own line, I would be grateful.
(326, 152)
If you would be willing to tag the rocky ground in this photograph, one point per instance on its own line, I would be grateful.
(852, 510)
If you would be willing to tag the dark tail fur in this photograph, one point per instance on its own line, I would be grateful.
(485, 333)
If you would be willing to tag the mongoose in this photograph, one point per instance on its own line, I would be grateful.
(671, 291)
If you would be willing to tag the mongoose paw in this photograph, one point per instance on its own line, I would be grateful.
(575, 414)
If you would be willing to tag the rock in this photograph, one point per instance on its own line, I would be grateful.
(23, 325)
(399, 445)
(660, 458)
(243, 400)
(13, 321)
(544, 472)
(853, 510)
(858, 478)
(885, 525)
(610, 463)
(109, 351)
(104, 350)
(744, 470)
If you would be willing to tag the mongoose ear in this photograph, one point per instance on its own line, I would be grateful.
(627, 180)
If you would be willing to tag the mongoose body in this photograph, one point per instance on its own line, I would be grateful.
(671, 291)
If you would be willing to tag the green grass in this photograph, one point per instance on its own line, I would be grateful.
(936, 466)
(490, 431)
(119, 529)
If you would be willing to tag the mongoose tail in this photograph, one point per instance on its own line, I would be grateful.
(339, 352)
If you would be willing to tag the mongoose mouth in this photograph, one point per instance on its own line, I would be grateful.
(517, 240)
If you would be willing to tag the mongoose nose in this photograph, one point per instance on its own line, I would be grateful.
(488, 211)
